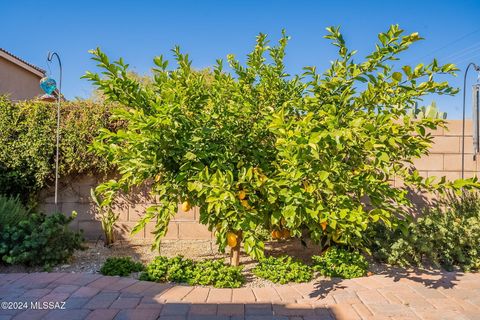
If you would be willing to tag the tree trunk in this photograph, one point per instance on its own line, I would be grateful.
(235, 251)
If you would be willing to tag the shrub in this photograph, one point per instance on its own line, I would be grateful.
(11, 211)
(39, 240)
(393, 246)
(27, 137)
(120, 266)
(447, 236)
(282, 270)
(258, 146)
(338, 262)
(179, 269)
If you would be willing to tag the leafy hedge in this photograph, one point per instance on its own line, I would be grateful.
(27, 137)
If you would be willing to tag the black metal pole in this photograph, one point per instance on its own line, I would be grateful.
(463, 123)
(59, 98)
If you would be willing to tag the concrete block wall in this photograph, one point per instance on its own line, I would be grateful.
(444, 160)
(74, 195)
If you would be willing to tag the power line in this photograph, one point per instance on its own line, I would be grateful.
(466, 51)
(469, 59)
(447, 45)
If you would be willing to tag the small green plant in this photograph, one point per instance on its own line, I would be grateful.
(217, 274)
(107, 216)
(39, 240)
(161, 269)
(120, 266)
(341, 263)
(11, 211)
(179, 269)
(282, 270)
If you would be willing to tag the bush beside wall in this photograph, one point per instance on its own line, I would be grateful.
(27, 137)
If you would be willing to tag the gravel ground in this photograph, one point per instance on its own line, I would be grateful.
(92, 259)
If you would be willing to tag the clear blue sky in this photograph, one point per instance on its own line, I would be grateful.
(207, 30)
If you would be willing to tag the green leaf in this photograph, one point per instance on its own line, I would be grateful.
(397, 76)
(323, 175)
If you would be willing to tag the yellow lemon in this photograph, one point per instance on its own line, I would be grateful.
(186, 206)
(242, 194)
(232, 239)
(276, 234)
(324, 225)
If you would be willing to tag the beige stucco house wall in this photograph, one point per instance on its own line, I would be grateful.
(18, 78)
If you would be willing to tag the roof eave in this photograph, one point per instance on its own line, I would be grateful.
(16, 60)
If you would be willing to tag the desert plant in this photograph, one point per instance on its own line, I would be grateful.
(430, 111)
(342, 263)
(283, 270)
(120, 266)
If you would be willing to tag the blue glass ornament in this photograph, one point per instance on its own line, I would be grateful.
(48, 85)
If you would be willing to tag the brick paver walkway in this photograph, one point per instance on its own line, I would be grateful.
(448, 295)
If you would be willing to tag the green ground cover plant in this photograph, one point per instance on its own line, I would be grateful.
(217, 274)
(283, 270)
(182, 270)
(162, 269)
(120, 266)
(341, 263)
(256, 146)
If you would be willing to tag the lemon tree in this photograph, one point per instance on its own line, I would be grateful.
(200, 138)
(253, 146)
(352, 134)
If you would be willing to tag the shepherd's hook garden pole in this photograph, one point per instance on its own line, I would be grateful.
(59, 99)
(471, 64)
